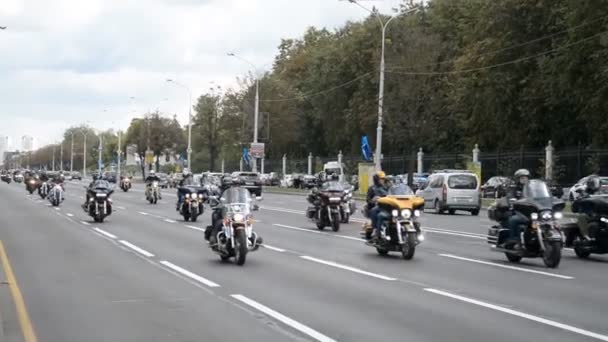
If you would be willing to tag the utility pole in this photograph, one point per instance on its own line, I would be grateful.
(100, 152)
(119, 153)
(72, 155)
(53, 158)
(61, 158)
(84, 157)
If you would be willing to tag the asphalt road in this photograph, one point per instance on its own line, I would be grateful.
(145, 275)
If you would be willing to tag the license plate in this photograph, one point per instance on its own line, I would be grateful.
(249, 183)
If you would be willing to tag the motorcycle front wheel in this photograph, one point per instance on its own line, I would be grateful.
(335, 222)
(409, 247)
(552, 254)
(240, 248)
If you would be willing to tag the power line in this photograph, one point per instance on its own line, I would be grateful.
(512, 46)
(304, 96)
(498, 64)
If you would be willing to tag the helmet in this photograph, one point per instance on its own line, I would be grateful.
(378, 176)
(186, 171)
(593, 184)
(521, 173)
(152, 172)
(96, 176)
(334, 176)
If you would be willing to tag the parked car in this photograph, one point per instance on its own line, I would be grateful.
(249, 180)
(451, 190)
(490, 189)
(287, 181)
(308, 182)
(75, 176)
(174, 179)
(573, 193)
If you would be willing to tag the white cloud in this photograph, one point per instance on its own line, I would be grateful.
(64, 61)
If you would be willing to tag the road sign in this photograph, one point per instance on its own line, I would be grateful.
(257, 150)
(149, 157)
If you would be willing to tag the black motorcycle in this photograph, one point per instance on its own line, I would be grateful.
(6, 179)
(326, 211)
(193, 203)
(99, 205)
(596, 209)
(540, 236)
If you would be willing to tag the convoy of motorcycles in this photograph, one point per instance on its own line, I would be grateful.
(541, 234)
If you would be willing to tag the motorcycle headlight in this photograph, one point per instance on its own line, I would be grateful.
(32, 182)
(603, 219)
(155, 184)
(187, 196)
(101, 195)
(546, 215)
(335, 199)
(395, 213)
(534, 216)
(417, 213)
(406, 213)
(238, 218)
(558, 215)
(91, 199)
(420, 237)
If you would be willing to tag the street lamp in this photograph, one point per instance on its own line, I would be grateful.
(189, 151)
(257, 104)
(383, 25)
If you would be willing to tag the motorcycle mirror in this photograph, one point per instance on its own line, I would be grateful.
(255, 207)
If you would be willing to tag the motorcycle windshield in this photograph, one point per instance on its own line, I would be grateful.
(238, 200)
(536, 189)
(332, 187)
(400, 190)
(101, 185)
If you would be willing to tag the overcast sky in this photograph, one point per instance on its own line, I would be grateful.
(63, 62)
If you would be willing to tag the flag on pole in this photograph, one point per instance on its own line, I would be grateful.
(365, 149)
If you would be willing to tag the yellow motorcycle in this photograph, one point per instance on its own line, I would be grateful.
(398, 219)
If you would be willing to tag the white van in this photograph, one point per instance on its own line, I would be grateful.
(333, 167)
(451, 190)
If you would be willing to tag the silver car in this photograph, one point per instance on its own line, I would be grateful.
(452, 190)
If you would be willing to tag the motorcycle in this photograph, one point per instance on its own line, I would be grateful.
(18, 178)
(326, 212)
(125, 184)
(43, 190)
(236, 237)
(56, 195)
(348, 205)
(6, 179)
(540, 237)
(153, 192)
(398, 220)
(31, 185)
(100, 204)
(192, 204)
(597, 209)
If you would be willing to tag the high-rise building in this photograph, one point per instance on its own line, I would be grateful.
(27, 143)
(3, 147)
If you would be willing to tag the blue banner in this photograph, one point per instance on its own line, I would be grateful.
(365, 149)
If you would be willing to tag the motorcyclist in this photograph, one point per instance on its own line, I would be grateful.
(377, 190)
(187, 179)
(583, 213)
(521, 178)
(96, 177)
(152, 177)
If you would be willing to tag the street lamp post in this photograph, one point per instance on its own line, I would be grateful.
(383, 25)
(53, 158)
(189, 150)
(61, 157)
(72, 155)
(257, 104)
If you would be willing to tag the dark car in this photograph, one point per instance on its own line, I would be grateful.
(109, 177)
(489, 189)
(76, 175)
(309, 182)
(249, 180)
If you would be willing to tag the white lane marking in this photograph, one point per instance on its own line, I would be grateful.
(457, 231)
(276, 249)
(169, 221)
(348, 268)
(121, 208)
(506, 266)
(57, 208)
(137, 249)
(70, 215)
(431, 230)
(521, 314)
(85, 223)
(284, 319)
(143, 213)
(101, 231)
(319, 232)
(189, 274)
(195, 228)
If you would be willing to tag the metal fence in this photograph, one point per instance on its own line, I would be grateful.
(569, 164)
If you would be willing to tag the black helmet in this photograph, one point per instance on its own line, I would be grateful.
(334, 176)
(593, 184)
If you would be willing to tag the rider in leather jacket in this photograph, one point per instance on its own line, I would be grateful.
(582, 213)
(521, 178)
(379, 189)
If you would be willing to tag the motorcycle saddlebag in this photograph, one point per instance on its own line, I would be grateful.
(498, 214)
